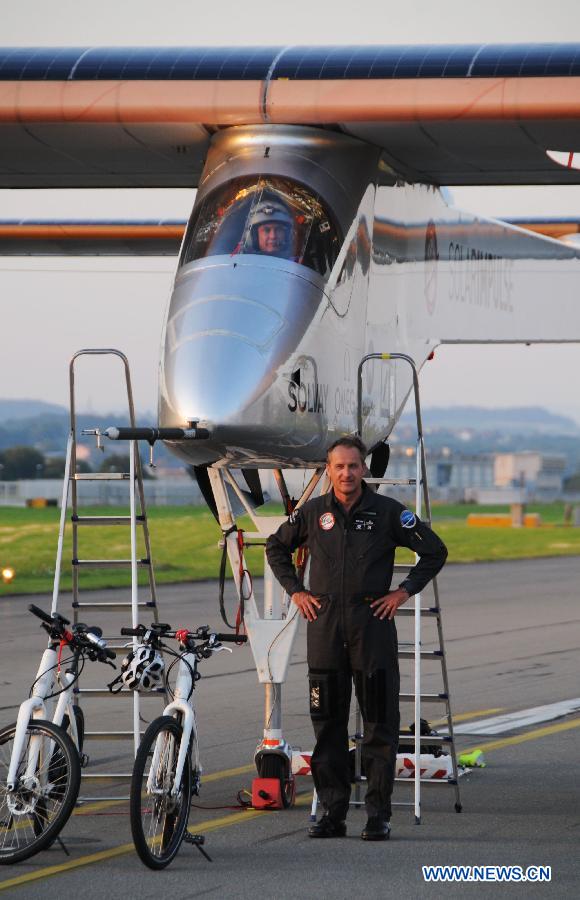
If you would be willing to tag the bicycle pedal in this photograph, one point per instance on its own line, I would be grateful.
(196, 839)
(84, 760)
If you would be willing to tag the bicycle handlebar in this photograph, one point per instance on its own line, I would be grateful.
(46, 617)
(140, 630)
(82, 634)
(232, 638)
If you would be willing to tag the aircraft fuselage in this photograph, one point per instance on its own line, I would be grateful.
(263, 340)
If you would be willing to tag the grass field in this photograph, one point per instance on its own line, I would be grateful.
(184, 544)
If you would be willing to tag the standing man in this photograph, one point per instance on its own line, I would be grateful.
(352, 534)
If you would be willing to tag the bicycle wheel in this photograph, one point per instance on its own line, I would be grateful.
(32, 815)
(159, 816)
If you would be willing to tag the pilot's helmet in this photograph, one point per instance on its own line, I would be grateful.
(271, 212)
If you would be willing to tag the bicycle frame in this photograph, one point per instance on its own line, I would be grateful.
(35, 708)
(182, 709)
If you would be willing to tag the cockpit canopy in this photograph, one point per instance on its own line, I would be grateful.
(264, 215)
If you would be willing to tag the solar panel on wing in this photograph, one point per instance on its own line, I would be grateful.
(294, 63)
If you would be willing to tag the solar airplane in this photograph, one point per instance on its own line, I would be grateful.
(321, 231)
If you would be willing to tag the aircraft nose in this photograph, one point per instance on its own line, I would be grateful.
(232, 331)
(216, 373)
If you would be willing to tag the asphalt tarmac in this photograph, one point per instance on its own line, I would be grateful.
(512, 633)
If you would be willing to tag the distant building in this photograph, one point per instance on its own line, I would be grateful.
(483, 477)
(540, 474)
(451, 476)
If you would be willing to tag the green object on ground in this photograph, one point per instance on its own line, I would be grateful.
(473, 760)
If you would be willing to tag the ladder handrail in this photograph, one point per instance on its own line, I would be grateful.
(421, 497)
(420, 440)
(138, 515)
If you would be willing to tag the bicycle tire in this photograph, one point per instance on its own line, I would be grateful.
(32, 817)
(158, 821)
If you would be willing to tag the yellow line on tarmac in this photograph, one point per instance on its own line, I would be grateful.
(102, 855)
(64, 867)
(225, 821)
(529, 736)
(228, 773)
(85, 809)
(210, 825)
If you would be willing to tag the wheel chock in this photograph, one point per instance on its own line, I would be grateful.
(267, 793)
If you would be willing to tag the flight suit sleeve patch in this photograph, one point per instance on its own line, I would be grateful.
(294, 517)
(326, 521)
(408, 519)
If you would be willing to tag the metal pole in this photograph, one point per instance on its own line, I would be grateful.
(63, 507)
(134, 583)
(417, 683)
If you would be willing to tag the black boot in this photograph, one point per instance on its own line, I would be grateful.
(376, 829)
(327, 828)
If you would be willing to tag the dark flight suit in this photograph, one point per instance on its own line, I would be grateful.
(351, 563)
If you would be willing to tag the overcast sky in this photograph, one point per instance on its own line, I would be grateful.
(51, 308)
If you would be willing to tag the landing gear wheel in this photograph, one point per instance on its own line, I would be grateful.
(272, 765)
(158, 816)
(34, 814)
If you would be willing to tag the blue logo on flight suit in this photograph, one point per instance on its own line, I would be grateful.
(408, 519)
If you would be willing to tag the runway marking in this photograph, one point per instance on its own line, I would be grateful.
(210, 825)
(235, 818)
(529, 736)
(229, 773)
(85, 809)
(102, 855)
(463, 717)
(521, 718)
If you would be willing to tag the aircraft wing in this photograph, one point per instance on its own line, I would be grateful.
(95, 237)
(143, 117)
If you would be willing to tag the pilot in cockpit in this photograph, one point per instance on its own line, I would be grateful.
(271, 229)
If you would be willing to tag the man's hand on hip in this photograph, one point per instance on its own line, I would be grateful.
(307, 604)
(386, 607)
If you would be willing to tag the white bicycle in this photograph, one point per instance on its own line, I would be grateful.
(167, 770)
(40, 760)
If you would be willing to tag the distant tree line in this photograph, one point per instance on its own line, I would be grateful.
(20, 463)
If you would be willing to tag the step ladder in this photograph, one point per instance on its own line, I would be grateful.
(413, 649)
(100, 612)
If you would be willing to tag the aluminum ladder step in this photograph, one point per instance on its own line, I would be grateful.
(112, 604)
(409, 739)
(101, 476)
(425, 698)
(103, 776)
(445, 782)
(105, 692)
(425, 654)
(105, 520)
(109, 735)
(409, 611)
(108, 563)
